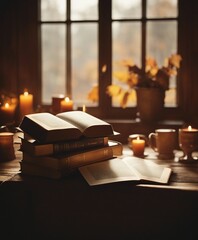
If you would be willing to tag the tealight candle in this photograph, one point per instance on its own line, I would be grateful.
(66, 105)
(138, 146)
(26, 103)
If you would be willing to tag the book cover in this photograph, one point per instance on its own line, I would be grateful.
(125, 169)
(47, 128)
(34, 148)
(77, 159)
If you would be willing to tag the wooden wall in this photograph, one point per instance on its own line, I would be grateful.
(19, 59)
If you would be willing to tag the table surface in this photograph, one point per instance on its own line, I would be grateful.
(71, 209)
(184, 175)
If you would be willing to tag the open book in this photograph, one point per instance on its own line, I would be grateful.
(48, 128)
(125, 169)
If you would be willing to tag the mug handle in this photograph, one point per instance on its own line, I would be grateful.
(152, 141)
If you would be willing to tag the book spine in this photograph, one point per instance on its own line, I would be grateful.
(78, 145)
(62, 147)
(85, 158)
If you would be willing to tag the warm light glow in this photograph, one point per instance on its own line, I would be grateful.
(7, 105)
(138, 146)
(25, 103)
(189, 128)
(67, 99)
(66, 104)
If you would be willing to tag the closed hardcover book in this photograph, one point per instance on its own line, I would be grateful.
(34, 148)
(67, 163)
(47, 128)
(32, 169)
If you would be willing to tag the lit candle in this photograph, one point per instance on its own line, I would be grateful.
(189, 129)
(188, 142)
(8, 111)
(26, 103)
(138, 146)
(66, 105)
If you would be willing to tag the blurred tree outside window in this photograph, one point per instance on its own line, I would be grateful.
(70, 43)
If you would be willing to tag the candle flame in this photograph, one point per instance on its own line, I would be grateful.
(66, 99)
(189, 128)
(138, 138)
(7, 105)
(26, 93)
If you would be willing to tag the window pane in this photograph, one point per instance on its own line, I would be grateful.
(162, 8)
(53, 10)
(84, 61)
(53, 61)
(126, 9)
(84, 10)
(161, 43)
(126, 46)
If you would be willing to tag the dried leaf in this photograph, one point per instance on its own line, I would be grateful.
(93, 94)
(113, 90)
(124, 99)
(121, 76)
(175, 60)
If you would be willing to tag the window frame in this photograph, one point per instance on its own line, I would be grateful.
(105, 108)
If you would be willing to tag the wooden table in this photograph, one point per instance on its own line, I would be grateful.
(35, 207)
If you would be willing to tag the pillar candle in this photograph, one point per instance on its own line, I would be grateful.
(138, 146)
(66, 105)
(26, 103)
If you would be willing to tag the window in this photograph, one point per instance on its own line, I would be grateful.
(82, 43)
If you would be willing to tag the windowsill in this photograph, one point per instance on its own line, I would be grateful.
(127, 127)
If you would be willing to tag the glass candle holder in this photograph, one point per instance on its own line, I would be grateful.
(188, 142)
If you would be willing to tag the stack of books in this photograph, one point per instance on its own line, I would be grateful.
(55, 145)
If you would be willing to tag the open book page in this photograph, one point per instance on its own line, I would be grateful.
(89, 125)
(48, 121)
(124, 169)
(148, 170)
(46, 127)
(113, 170)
